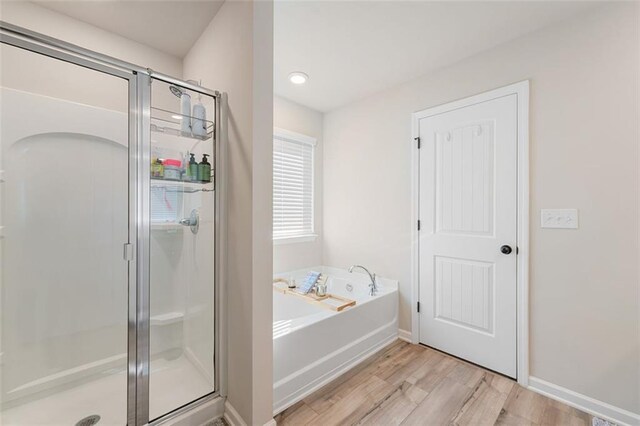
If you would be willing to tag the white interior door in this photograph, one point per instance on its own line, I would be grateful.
(467, 241)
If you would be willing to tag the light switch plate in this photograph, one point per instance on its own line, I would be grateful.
(559, 218)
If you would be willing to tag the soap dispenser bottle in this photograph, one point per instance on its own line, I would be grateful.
(204, 169)
(193, 168)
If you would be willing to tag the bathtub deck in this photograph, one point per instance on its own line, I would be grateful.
(415, 385)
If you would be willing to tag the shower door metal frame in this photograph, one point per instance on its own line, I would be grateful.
(139, 84)
(143, 188)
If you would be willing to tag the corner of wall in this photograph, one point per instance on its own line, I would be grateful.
(241, 34)
(262, 387)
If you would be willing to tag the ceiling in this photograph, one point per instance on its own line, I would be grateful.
(354, 49)
(171, 26)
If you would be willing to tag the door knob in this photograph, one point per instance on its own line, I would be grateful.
(505, 249)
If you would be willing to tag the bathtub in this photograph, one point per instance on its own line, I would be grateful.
(313, 345)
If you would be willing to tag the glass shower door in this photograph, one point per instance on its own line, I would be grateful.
(181, 247)
(64, 217)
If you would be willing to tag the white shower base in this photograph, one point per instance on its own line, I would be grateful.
(107, 397)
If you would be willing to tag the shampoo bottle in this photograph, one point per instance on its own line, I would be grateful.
(204, 169)
(199, 126)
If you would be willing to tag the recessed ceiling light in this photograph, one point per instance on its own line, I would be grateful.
(298, 77)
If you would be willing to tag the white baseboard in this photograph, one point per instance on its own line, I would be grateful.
(584, 403)
(234, 419)
(232, 416)
(405, 335)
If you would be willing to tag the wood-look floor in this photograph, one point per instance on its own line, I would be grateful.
(414, 385)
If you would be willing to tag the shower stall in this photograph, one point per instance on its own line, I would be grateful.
(110, 241)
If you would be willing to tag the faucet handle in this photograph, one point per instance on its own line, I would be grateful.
(372, 289)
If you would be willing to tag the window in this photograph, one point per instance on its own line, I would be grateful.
(292, 187)
(166, 204)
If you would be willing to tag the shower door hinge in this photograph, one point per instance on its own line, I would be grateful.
(128, 252)
(418, 225)
(418, 142)
(418, 306)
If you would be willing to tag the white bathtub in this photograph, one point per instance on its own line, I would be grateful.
(313, 345)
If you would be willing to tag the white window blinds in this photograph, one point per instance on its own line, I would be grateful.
(165, 204)
(292, 186)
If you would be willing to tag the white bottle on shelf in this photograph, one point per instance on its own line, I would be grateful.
(199, 118)
(185, 111)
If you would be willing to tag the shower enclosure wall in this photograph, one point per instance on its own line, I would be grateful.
(109, 270)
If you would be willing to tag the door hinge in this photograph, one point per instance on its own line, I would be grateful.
(128, 252)
(418, 306)
(418, 225)
(418, 142)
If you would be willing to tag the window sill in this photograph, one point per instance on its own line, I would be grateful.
(166, 226)
(297, 239)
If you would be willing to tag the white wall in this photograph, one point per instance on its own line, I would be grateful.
(584, 314)
(30, 78)
(36, 18)
(300, 119)
(235, 55)
(73, 240)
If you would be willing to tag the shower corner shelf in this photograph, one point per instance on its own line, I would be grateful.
(167, 318)
(170, 123)
(182, 186)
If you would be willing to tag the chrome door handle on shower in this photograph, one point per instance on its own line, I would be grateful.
(193, 221)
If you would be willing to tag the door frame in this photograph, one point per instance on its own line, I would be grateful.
(521, 90)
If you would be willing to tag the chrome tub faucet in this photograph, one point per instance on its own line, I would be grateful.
(373, 286)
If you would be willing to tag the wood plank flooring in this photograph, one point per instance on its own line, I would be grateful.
(414, 385)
